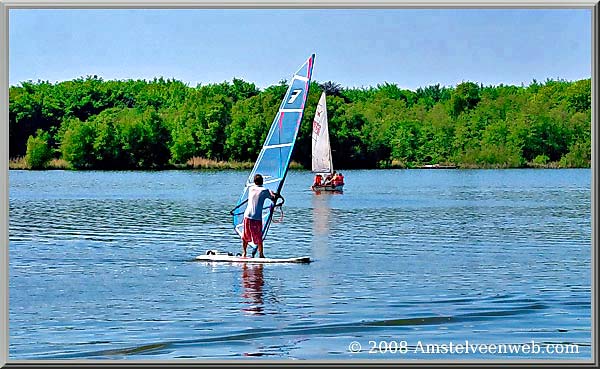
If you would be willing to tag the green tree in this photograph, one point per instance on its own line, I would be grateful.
(77, 143)
(38, 150)
(107, 148)
(144, 138)
(465, 97)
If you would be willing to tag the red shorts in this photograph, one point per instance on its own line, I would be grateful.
(252, 231)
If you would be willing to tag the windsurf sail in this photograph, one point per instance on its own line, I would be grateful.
(274, 158)
(321, 148)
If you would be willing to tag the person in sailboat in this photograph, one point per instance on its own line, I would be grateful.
(329, 178)
(257, 195)
(318, 180)
(334, 180)
(338, 180)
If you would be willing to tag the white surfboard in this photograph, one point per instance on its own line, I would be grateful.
(239, 259)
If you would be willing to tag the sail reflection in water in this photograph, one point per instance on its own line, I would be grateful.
(321, 219)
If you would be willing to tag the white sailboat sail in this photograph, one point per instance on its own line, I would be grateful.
(321, 148)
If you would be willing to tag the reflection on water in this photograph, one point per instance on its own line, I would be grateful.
(100, 265)
(321, 212)
(253, 282)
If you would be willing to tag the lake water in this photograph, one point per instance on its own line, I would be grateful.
(101, 267)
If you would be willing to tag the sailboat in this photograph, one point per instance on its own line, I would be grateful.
(272, 163)
(321, 148)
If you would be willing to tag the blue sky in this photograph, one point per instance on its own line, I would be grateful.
(354, 47)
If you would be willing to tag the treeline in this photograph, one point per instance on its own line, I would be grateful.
(137, 124)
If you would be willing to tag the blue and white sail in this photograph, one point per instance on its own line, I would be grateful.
(274, 158)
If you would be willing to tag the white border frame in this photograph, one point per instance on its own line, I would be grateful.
(6, 5)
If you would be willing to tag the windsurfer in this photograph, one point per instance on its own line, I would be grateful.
(257, 195)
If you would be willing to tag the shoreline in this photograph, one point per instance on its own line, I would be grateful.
(211, 165)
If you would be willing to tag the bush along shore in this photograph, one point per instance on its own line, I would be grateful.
(89, 123)
(193, 163)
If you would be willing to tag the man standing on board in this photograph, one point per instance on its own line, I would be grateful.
(257, 195)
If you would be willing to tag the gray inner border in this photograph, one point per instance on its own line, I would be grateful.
(6, 5)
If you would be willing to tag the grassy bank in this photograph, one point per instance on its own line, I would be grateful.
(21, 163)
(194, 163)
(203, 163)
(395, 164)
(198, 163)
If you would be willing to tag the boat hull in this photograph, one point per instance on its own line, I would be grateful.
(329, 188)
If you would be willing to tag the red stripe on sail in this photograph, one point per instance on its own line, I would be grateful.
(305, 89)
(280, 122)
